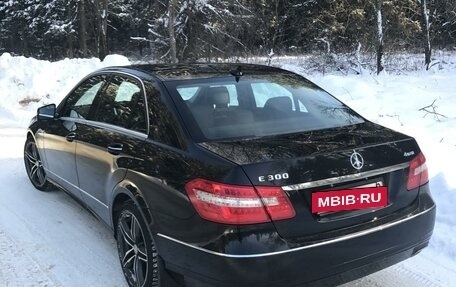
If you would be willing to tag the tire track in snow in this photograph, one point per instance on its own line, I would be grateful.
(416, 278)
(425, 269)
(18, 268)
(47, 238)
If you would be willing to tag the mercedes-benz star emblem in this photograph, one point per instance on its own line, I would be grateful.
(356, 160)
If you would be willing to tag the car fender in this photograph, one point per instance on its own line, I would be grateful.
(127, 188)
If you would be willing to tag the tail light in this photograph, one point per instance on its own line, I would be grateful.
(418, 172)
(276, 202)
(233, 204)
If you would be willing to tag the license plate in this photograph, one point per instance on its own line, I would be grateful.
(350, 199)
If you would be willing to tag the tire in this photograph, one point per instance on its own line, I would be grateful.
(34, 166)
(137, 253)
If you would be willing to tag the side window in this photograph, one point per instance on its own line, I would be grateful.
(80, 101)
(163, 128)
(122, 104)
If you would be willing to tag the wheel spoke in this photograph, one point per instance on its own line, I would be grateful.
(34, 151)
(127, 257)
(138, 272)
(134, 229)
(128, 260)
(125, 234)
(30, 158)
(40, 175)
(33, 171)
(142, 255)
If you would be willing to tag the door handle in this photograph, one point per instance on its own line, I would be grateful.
(71, 137)
(115, 148)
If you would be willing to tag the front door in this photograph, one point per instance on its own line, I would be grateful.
(60, 135)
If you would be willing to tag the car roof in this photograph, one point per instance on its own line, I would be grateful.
(167, 72)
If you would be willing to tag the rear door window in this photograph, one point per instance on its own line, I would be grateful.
(122, 104)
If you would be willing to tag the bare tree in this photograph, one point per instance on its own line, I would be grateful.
(70, 33)
(82, 27)
(104, 29)
(426, 27)
(379, 45)
(102, 23)
(172, 36)
(432, 109)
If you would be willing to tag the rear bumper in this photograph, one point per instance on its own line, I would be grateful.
(353, 255)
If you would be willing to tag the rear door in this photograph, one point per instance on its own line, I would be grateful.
(110, 140)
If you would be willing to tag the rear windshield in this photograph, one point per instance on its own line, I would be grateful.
(256, 106)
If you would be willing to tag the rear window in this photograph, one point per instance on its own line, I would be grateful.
(256, 106)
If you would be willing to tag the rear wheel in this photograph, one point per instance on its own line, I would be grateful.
(137, 252)
(34, 166)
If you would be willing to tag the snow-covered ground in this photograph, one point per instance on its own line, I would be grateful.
(46, 239)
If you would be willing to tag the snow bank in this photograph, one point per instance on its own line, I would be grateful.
(27, 83)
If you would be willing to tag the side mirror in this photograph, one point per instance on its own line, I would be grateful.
(46, 112)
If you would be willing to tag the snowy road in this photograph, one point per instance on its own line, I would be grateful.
(47, 239)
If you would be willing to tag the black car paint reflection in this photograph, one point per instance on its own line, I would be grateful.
(88, 152)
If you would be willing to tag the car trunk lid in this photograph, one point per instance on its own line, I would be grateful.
(322, 160)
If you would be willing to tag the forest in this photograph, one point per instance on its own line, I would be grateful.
(208, 30)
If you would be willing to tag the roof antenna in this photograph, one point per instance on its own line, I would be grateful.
(237, 73)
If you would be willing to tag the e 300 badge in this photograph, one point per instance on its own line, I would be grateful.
(272, 177)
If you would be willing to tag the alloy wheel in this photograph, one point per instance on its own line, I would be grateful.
(132, 249)
(34, 165)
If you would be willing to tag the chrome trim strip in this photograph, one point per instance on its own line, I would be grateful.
(46, 116)
(119, 149)
(335, 240)
(107, 126)
(81, 190)
(345, 178)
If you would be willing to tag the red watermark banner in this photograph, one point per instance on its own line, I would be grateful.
(349, 199)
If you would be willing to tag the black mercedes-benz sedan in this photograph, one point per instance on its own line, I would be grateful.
(233, 175)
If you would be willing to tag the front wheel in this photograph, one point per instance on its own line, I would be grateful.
(34, 166)
(137, 252)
